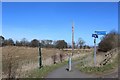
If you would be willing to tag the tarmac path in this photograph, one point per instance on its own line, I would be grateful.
(63, 73)
(74, 73)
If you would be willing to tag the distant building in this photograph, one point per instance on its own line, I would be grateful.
(1, 40)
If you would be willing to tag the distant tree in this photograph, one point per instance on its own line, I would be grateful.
(80, 42)
(1, 40)
(24, 42)
(9, 42)
(84, 47)
(34, 43)
(42, 43)
(18, 43)
(88, 47)
(74, 44)
(60, 44)
(69, 45)
(47, 43)
(54, 44)
(109, 41)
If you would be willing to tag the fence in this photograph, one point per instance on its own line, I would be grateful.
(109, 55)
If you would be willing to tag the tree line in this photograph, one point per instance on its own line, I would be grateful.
(60, 44)
(33, 43)
(108, 42)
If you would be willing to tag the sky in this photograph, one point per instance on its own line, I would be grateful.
(53, 20)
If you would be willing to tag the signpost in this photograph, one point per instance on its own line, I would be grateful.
(100, 32)
(96, 36)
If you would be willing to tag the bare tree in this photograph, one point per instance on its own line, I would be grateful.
(47, 43)
(24, 42)
(80, 42)
(9, 42)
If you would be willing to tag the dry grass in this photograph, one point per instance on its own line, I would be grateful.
(27, 53)
(87, 64)
(77, 50)
(100, 56)
(21, 53)
(27, 58)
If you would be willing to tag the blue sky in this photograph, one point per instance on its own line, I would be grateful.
(52, 20)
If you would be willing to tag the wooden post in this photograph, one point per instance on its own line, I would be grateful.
(72, 38)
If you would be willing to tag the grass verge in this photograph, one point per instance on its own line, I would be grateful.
(98, 70)
(41, 73)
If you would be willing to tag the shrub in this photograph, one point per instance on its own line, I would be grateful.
(108, 42)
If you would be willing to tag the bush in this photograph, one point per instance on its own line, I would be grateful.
(109, 41)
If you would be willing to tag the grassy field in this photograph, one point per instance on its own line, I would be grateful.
(23, 56)
(25, 59)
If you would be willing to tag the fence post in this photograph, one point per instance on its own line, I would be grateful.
(40, 56)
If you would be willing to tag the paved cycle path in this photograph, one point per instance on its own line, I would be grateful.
(74, 73)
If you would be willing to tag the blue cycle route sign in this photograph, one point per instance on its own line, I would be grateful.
(100, 32)
(95, 35)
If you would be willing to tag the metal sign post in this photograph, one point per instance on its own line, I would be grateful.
(94, 51)
(96, 36)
